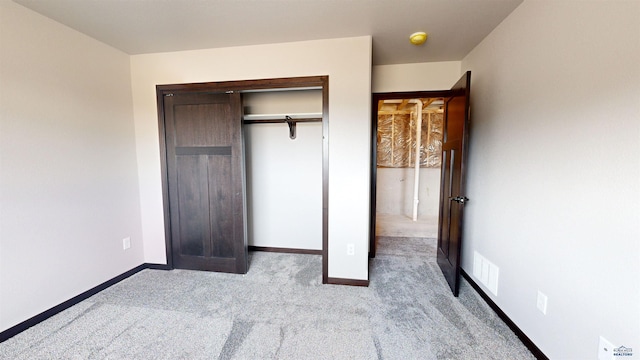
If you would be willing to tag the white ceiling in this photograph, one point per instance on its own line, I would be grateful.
(455, 27)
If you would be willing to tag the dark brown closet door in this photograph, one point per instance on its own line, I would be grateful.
(452, 192)
(205, 174)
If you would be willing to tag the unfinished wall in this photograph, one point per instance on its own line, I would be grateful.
(68, 176)
(554, 171)
(395, 192)
(396, 159)
(347, 62)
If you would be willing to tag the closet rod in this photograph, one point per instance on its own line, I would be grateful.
(288, 120)
(280, 121)
(294, 116)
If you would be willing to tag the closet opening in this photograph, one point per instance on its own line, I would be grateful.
(244, 164)
(283, 158)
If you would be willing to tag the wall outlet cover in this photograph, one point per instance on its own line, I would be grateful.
(126, 243)
(542, 302)
(351, 250)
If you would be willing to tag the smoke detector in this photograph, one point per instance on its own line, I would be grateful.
(418, 38)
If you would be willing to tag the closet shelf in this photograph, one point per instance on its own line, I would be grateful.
(290, 119)
(282, 117)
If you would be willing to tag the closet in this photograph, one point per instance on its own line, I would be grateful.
(283, 157)
(245, 164)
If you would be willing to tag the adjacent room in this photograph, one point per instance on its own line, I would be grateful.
(408, 166)
(335, 223)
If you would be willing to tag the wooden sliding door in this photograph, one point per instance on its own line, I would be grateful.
(205, 173)
(203, 167)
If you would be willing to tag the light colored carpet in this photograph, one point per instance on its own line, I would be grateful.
(279, 310)
(402, 226)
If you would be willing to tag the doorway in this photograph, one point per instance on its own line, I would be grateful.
(396, 117)
(409, 145)
(406, 171)
(204, 178)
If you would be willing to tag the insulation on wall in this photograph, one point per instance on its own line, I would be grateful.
(397, 136)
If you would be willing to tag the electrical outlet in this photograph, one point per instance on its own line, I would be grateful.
(605, 349)
(542, 302)
(126, 243)
(351, 250)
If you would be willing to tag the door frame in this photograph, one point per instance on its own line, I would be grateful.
(240, 86)
(375, 97)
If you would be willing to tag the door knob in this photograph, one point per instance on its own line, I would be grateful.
(460, 199)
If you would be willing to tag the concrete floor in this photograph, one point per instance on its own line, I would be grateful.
(404, 226)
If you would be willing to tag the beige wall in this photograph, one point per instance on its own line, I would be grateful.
(347, 62)
(68, 172)
(554, 171)
(415, 77)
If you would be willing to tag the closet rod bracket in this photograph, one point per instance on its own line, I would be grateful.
(292, 127)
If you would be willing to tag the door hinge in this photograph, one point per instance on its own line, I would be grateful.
(229, 92)
(168, 94)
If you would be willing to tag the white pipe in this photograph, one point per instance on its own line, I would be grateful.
(416, 181)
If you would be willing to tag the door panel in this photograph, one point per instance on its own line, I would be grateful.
(190, 231)
(219, 203)
(195, 127)
(445, 186)
(205, 180)
(452, 194)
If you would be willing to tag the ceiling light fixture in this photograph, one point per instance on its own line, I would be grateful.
(418, 38)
